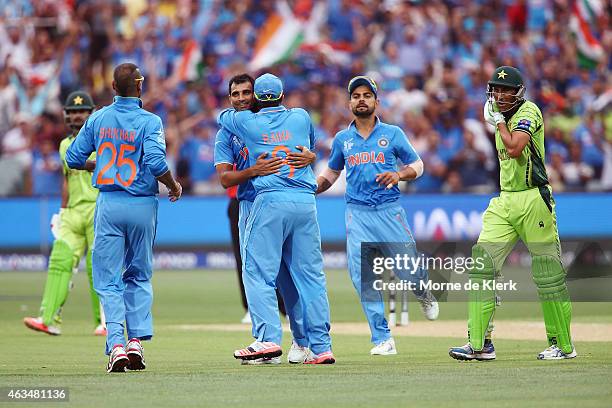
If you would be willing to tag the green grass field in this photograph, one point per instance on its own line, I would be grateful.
(195, 367)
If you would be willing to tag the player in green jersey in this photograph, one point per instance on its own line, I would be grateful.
(72, 229)
(524, 210)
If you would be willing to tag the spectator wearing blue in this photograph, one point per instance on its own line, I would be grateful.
(589, 134)
(198, 153)
(46, 170)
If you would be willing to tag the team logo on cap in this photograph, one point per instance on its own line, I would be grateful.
(383, 142)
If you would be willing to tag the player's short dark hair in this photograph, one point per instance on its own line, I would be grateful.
(240, 79)
(267, 104)
(126, 78)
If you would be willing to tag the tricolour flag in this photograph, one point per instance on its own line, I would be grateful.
(278, 38)
(583, 24)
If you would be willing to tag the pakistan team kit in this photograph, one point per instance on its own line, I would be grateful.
(73, 233)
(525, 209)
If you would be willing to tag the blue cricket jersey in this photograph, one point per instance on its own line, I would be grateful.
(276, 131)
(230, 149)
(363, 159)
(130, 147)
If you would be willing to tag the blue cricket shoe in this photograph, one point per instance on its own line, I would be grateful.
(467, 353)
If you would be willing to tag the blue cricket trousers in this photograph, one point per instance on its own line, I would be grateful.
(284, 282)
(385, 223)
(122, 260)
(283, 228)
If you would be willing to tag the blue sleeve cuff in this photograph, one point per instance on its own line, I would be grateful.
(161, 172)
(73, 163)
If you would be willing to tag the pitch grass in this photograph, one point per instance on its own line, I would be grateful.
(195, 368)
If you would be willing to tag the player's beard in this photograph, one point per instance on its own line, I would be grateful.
(363, 113)
(75, 127)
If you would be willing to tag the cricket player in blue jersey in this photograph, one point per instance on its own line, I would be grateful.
(131, 157)
(282, 226)
(230, 151)
(376, 157)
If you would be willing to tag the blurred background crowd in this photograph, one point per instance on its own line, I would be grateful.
(431, 60)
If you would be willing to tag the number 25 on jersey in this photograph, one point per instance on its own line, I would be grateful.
(117, 161)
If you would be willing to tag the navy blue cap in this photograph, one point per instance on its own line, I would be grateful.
(362, 80)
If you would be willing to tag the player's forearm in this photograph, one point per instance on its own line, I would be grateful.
(232, 178)
(90, 165)
(511, 143)
(407, 174)
(323, 184)
(411, 171)
(168, 180)
(326, 179)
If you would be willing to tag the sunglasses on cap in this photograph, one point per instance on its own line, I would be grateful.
(362, 80)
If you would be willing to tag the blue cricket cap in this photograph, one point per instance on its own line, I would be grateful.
(362, 80)
(268, 87)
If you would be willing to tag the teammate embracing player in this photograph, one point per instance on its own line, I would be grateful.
(72, 229)
(525, 209)
(230, 150)
(371, 152)
(282, 226)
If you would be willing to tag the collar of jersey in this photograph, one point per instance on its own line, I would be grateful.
(353, 127)
(127, 101)
(272, 109)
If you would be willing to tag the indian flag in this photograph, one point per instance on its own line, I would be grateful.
(279, 37)
(187, 69)
(585, 14)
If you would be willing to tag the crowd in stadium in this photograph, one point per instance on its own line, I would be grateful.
(431, 60)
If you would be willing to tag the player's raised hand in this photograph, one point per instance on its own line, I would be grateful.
(176, 192)
(491, 113)
(388, 179)
(305, 157)
(263, 166)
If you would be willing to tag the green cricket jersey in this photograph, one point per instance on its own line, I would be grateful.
(80, 189)
(527, 170)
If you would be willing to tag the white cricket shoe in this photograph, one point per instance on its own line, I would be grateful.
(246, 319)
(384, 348)
(555, 353)
(262, 361)
(100, 330)
(429, 305)
(297, 354)
(117, 360)
(135, 353)
(259, 349)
